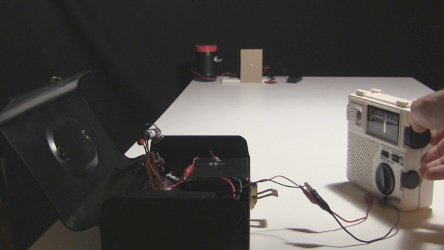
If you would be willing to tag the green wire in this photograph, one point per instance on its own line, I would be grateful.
(240, 184)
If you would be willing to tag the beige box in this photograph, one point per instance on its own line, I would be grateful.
(251, 66)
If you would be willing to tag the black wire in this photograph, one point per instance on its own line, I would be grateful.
(377, 239)
(322, 204)
(284, 185)
(384, 201)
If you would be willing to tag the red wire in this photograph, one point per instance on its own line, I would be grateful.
(157, 175)
(263, 180)
(223, 74)
(232, 186)
(211, 79)
(288, 179)
(369, 199)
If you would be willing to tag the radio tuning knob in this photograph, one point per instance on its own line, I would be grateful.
(416, 140)
(385, 179)
(410, 180)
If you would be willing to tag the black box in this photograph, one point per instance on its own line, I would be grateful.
(89, 181)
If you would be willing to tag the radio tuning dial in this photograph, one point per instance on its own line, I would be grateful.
(385, 179)
(416, 140)
(410, 180)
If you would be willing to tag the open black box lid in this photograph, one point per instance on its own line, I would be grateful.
(67, 150)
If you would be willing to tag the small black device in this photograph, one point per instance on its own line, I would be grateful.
(294, 79)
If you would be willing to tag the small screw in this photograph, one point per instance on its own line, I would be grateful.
(214, 158)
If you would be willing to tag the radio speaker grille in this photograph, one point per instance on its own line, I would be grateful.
(360, 159)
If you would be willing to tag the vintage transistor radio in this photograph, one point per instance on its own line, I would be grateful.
(383, 150)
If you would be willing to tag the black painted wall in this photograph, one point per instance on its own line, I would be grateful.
(140, 52)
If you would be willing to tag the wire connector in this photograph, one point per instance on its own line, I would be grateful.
(308, 195)
(318, 199)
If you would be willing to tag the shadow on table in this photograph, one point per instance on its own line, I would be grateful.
(417, 226)
(414, 231)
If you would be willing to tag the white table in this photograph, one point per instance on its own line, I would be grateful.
(299, 131)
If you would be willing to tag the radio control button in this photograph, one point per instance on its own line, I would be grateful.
(395, 158)
(359, 111)
(410, 180)
(416, 140)
(360, 92)
(403, 104)
(385, 154)
(376, 91)
(385, 179)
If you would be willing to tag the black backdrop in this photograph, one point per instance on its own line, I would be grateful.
(140, 52)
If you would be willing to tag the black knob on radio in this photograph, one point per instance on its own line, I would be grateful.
(416, 140)
(410, 180)
(385, 179)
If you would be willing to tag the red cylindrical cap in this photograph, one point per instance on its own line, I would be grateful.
(206, 48)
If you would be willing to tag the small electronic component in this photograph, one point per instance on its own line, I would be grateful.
(255, 195)
(154, 134)
(214, 159)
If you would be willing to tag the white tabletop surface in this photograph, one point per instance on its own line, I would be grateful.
(299, 131)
